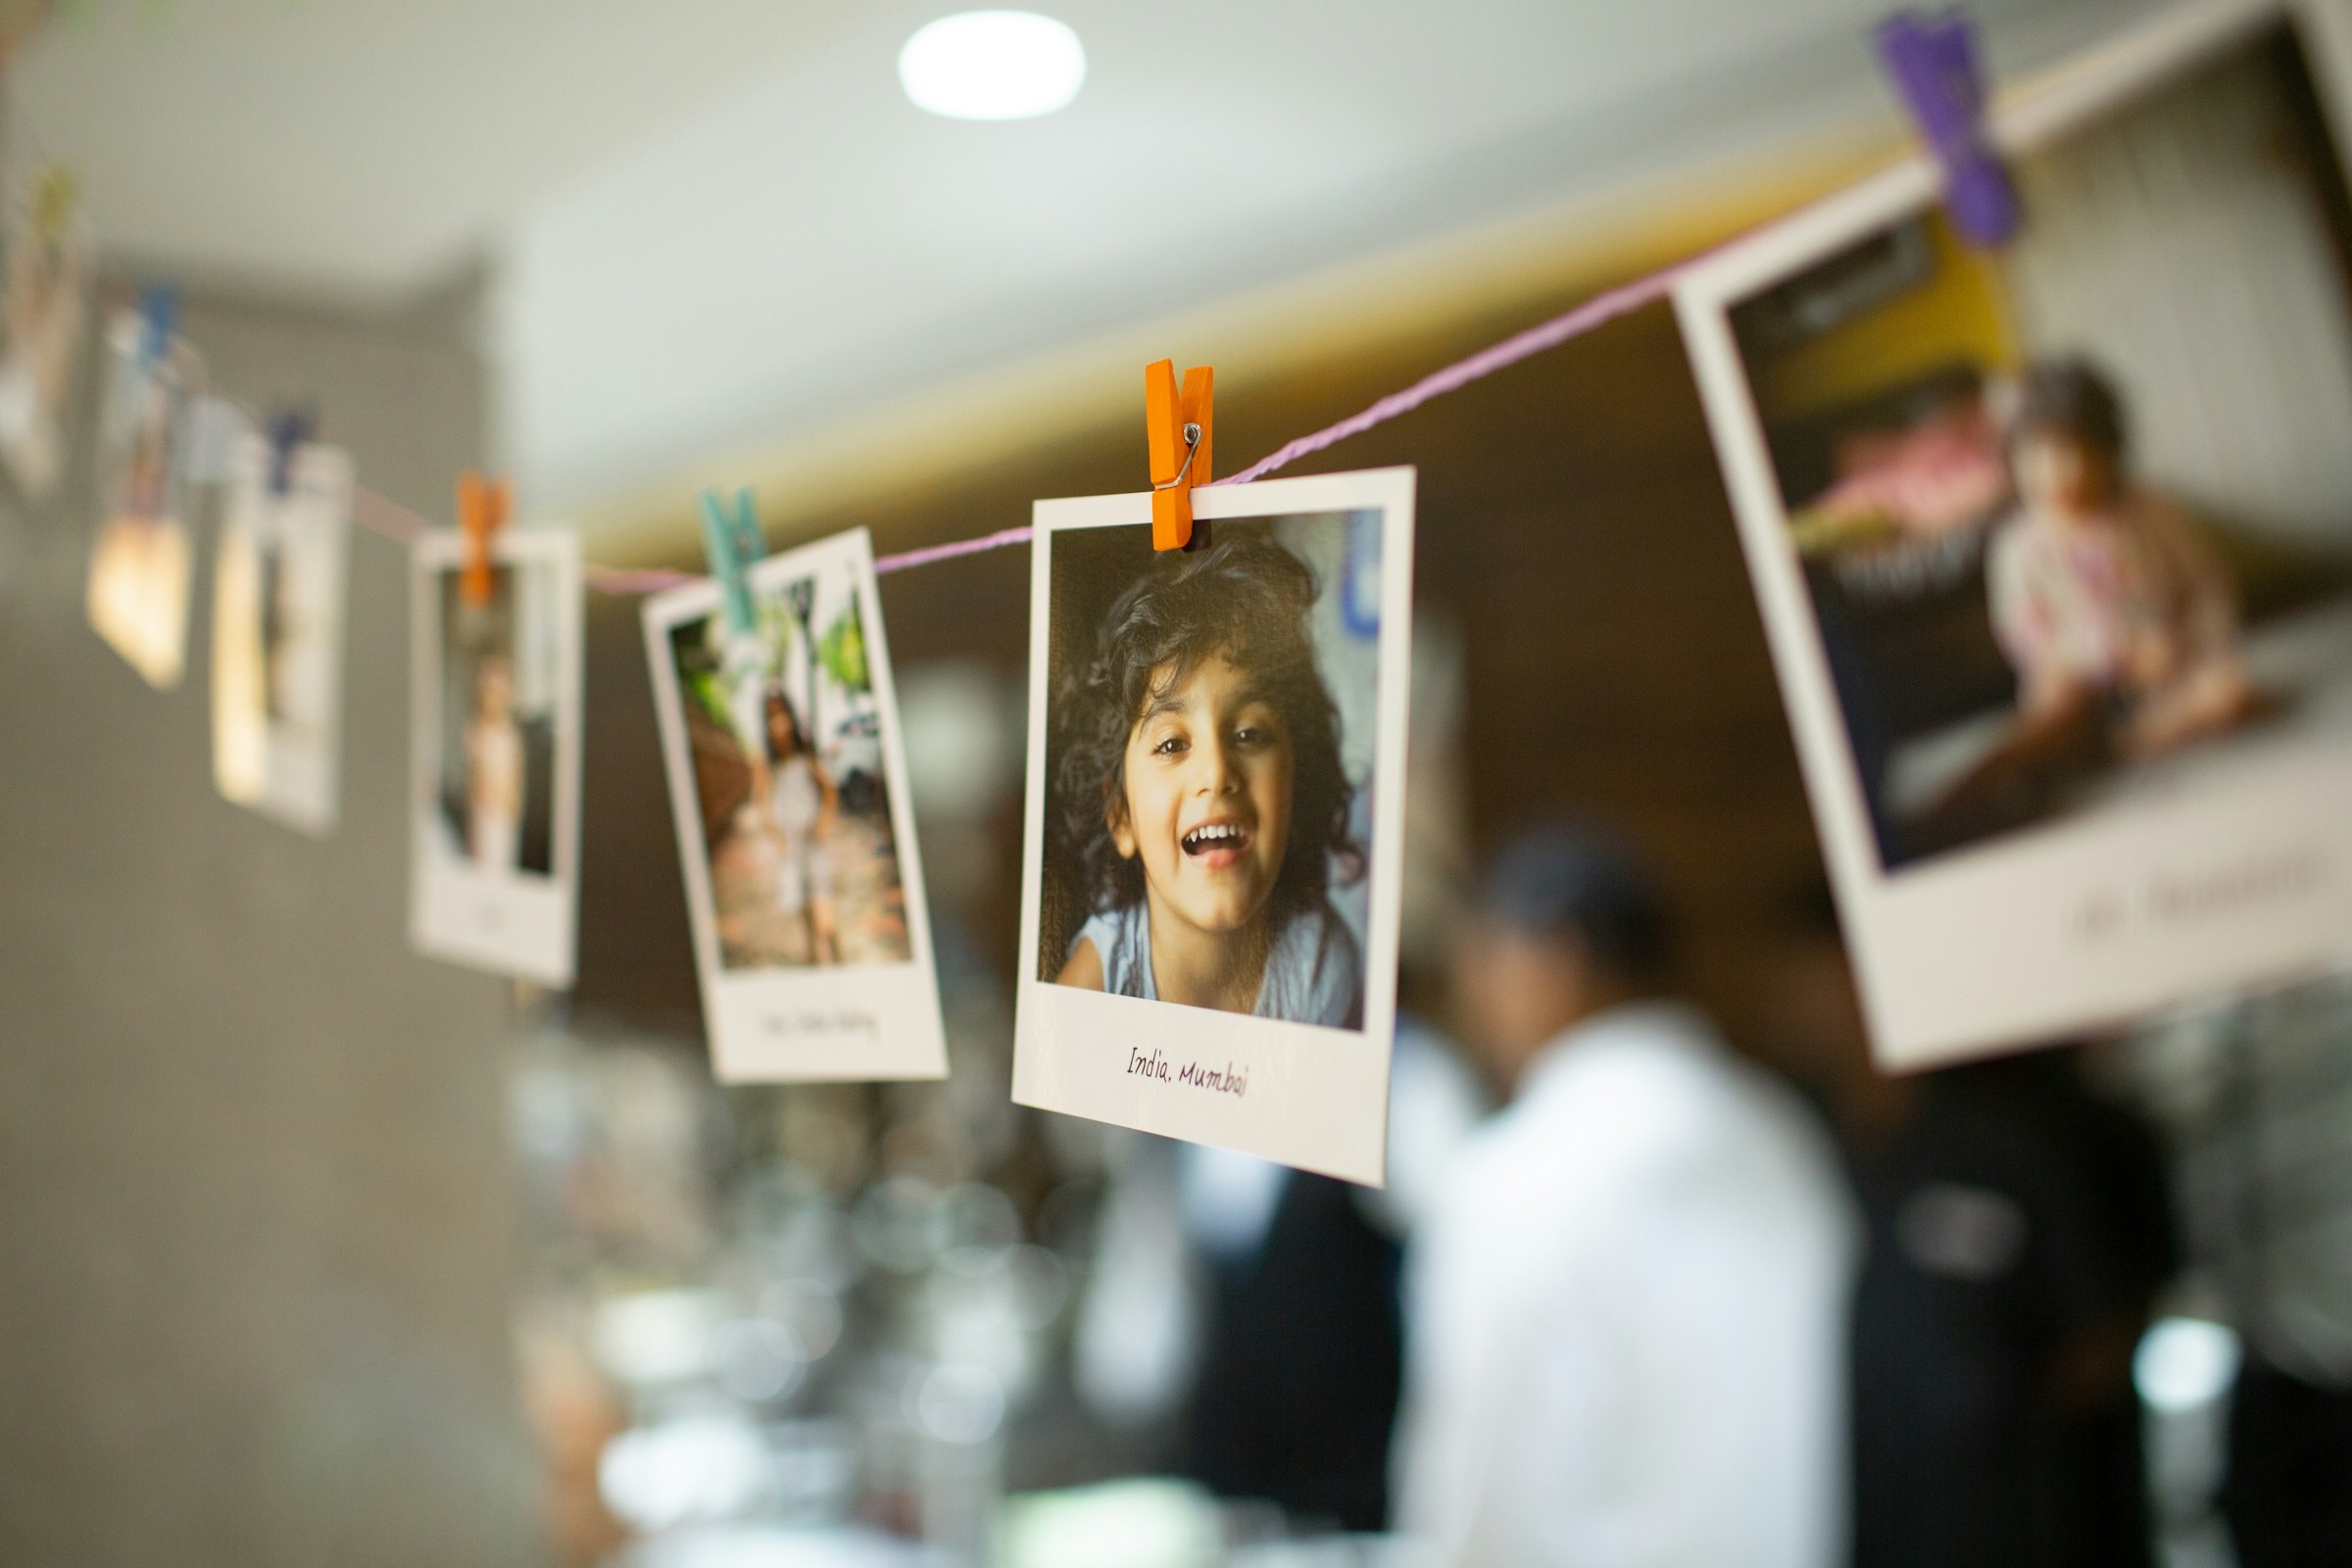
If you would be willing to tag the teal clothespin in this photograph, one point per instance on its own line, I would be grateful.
(733, 542)
(159, 314)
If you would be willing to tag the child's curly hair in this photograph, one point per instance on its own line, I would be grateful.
(1244, 599)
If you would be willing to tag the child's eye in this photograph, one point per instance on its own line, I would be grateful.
(1171, 746)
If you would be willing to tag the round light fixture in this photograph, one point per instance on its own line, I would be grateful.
(992, 65)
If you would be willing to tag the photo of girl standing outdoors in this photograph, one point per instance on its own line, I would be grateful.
(794, 806)
(796, 837)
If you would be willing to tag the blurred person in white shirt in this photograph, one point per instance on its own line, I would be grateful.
(1625, 1316)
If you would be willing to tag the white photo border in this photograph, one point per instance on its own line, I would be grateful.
(2014, 942)
(1315, 1098)
(506, 923)
(819, 1023)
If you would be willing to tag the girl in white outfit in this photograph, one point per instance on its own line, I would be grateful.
(801, 802)
(493, 768)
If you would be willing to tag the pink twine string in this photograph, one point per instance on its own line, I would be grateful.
(394, 521)
(962, 546)
(374, 511)
(620, 581)
(1595, 312)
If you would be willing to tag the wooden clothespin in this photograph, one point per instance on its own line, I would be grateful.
(482, 506)
(1179, 425)
(1935, 68)
(288, 429)
(733, 542)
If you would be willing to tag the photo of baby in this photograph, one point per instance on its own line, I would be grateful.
(793, 793)
(1206, 844)
(2053, 539)
(501, 673)
(2054, 567)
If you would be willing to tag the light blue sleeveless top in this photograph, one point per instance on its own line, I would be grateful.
(1315, 973)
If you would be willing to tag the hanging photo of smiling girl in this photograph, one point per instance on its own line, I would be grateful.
(1214, 816)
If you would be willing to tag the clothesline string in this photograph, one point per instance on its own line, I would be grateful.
(396, 522)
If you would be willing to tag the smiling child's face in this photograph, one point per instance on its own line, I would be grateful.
(1207, 799)
(2058, 474)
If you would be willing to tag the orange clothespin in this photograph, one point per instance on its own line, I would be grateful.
(482, 506)
(1178, 425)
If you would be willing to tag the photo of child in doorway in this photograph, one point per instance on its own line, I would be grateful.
(495, 754)
(500, 674)
(783, 728)
(1209, 757)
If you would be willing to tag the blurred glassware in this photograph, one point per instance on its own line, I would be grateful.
(1146, 1523)
(645, 1339)
(900, 1224)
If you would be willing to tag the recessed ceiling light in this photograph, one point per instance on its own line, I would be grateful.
(992, 65)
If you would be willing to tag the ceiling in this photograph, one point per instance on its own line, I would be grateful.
(718, 222)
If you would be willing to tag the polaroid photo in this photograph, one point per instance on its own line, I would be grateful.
(139, 568)
(495, 755)
(2054, 542)
(51, 267)
(1215, 816)
(804, 889)
(277, 632)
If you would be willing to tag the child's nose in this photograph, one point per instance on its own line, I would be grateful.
(1220, 774)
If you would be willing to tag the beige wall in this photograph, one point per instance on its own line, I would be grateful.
(254, 1222)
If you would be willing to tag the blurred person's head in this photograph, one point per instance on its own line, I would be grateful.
(784, 738)
(1566, 924)
(2067, 439)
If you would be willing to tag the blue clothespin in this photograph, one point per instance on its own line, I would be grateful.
(159, 308)
(733, 542)
(290, 428)
(1935, 68)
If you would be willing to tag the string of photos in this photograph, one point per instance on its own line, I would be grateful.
(1921, 386)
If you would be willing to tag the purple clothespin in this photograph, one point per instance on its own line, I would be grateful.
(289, 429)
(1933, 62)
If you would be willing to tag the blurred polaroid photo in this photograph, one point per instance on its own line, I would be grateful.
(277, 632)
(495, 754)
(1215, 813)
(140, 566)
(50, 267)
(2054, 542)
(804, 886)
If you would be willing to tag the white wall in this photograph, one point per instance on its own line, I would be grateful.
(255, 1203)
